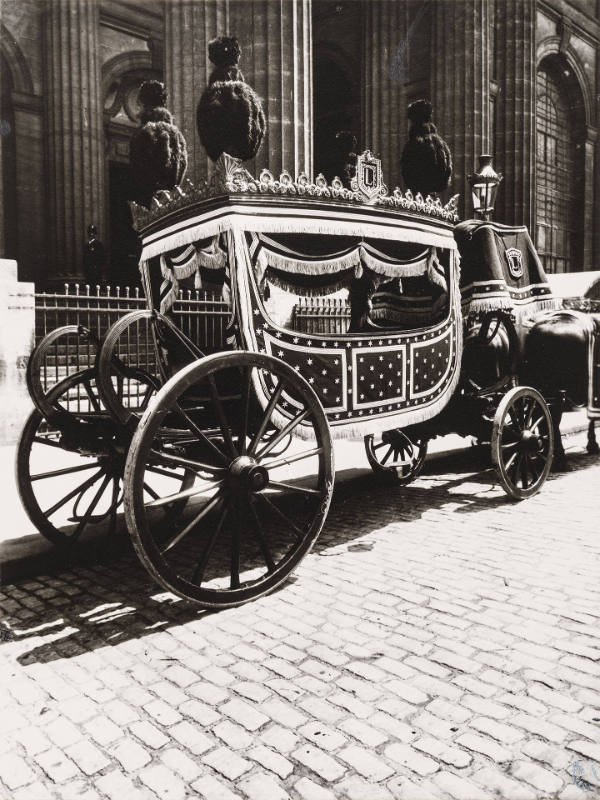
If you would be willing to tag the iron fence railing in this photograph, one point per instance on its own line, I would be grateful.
(323, 315)
(202, 315)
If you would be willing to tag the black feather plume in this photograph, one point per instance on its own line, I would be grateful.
(426, 159)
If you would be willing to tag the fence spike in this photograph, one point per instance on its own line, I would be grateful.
(137, 291)
(76, 288)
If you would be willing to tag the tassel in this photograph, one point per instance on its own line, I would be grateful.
(358, 271)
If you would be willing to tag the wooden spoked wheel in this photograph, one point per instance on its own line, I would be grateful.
(522, 442)
(252, 515)
(70, 468)
(393, 453)
(128, 367)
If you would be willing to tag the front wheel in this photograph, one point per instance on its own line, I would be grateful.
(522, 442)
(253, 513)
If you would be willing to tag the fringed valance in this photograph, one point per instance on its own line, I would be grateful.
(187, 261)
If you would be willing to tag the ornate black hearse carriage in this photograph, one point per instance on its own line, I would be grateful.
(224, 462)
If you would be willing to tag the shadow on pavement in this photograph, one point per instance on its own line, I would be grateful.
(101, 611)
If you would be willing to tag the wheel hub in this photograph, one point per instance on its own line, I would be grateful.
(529, 442)
(246, 475)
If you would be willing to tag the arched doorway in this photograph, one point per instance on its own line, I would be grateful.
(560, 166)
(121, 113)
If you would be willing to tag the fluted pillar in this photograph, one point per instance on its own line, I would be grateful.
(383, 101)
(515, 112)
(189, 26)
(460, 87)
(276, 39)
(75, 136)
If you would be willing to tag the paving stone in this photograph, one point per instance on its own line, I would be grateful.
(103, 730)
(322, 736)
(443, 752)
(309, 790)
(35, 790)
(365, 763)
(494, 780)
(149, 734)
(227, 762)
(363, 732)
(213, 789)
(131, 755)
(280, 738)
(538, 777)
(15, 772)
(117, 786)
(163, 782)
(407, 756)
(56, 765)
(319, 762)
(271, 760)
(488, 747)
(162, 712)
(460, 788)
(263, 786)
(177, 761)
(87, 757)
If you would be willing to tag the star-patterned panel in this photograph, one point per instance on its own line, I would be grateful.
(430, 364)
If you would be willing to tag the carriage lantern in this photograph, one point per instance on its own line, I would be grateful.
(484, 187)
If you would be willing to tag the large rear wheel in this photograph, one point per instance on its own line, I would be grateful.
(252, 515)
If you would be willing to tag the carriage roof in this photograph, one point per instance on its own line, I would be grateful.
(234, 200)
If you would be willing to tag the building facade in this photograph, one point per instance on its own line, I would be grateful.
(519, 79)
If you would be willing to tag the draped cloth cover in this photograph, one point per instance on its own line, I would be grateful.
(500, 269)
(316, 265)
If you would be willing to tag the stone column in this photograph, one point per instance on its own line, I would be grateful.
(276, 39)
(189, 26)
(383, 101)
(515, 113)
(460, 87)
(75, 143)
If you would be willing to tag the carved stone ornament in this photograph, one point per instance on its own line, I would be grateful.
(232, 178)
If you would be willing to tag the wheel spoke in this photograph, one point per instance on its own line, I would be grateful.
(301, 489)
(509, 445)
(200, 434)
(198, 575)
(79, 490)
(64, 471)
(379, 445)
(266, 417)
(386, 456)
(223, 424)
(90, 509)
(158, 471)
(282, 434)
(171, 498)
(279, 462)
(150, 491)
(215, 501)
(535, 472)
(299, 533)
(147, 396)
(529, 416)
(511, 461)
(536, 424)
(92, 396)
(245, 411)
(516, 468)
(260, 535)
(524, 472)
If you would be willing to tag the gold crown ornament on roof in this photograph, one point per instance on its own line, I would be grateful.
(230, 177)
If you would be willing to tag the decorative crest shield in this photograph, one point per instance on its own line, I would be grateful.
(514, 259)
(368, 179)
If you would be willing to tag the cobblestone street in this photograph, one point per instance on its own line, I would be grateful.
(440, 641)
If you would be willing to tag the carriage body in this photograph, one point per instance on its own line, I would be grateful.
(400, 366)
